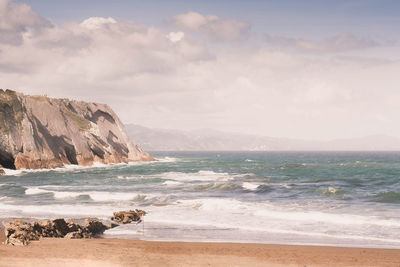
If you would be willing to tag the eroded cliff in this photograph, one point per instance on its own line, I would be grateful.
(41, 132)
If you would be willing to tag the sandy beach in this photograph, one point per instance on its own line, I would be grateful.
(121, 252)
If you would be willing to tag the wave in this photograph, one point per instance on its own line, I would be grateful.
(172, 183)
(167, 159)
(250, 186)
(388, 197)
(287, 186)
(124, 231)
(98, 196)
(35, 191)
(217, 186)
(293, 165)
(9, 172)
(58, 210)
(201, 175)
(329, 218)
(73, 167)
(214, 204)
(332, 191)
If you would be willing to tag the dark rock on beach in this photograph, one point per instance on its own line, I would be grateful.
(19, 232)
(95, 227)
(123, 217)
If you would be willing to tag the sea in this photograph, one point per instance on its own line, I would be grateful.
(314, 198)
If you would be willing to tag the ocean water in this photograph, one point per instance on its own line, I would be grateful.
(320, 198)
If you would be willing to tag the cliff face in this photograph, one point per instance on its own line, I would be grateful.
(41, 132)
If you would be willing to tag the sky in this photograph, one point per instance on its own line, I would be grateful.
(289, 68)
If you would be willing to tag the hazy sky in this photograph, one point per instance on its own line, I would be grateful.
(303, 69)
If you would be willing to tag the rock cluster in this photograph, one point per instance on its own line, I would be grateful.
(19, 232)
(123, 217)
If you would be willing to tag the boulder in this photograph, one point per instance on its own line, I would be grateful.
(94, 226)
(112, 225)
(74, 235)
(123, 217)
(21, 233)
(60, 228)
(2, 172)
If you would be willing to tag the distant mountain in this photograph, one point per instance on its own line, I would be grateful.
(213, 140)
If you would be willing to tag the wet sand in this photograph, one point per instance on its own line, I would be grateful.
(122, 252)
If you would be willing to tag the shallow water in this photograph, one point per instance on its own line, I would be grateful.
(335, 198)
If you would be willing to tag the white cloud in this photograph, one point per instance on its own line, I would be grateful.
(16, 20)
(338, 43)
(213, 26)
(175, 80)
(97, 22)
(175, 36)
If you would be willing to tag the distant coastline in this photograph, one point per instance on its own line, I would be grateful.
(153, 139)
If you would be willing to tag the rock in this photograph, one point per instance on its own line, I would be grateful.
(60, 227)
(41, 132)
(112, 225)
(123, 217)
(74, 235)
(2, 172)
(21, 233)
(94, 226)
(73, 227)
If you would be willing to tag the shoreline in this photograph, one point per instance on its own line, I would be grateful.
(128, 252)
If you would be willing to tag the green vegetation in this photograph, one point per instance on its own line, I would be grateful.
(11, 111)
(78, 120)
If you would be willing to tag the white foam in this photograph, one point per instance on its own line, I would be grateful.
(100, 196)
(250, 186)
(285, 186)
(73, 167)
(52, 211)
(124, 230)
(12, 172)
(197, 176)
(172, 183)
(35, 191)
(214, 204)
(328, 218)
(111, 196)
(167, 159)
(332, 190)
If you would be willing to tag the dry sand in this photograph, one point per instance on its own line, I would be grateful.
(118, 252)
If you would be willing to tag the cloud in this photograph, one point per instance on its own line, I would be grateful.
(97, 22)
(16, 20)
(175, 36)
(338, 43)
(179, 79)
(213, 26)
(97, 52)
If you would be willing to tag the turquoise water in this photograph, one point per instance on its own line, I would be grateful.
(330, 198)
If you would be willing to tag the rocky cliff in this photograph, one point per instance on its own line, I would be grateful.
(41, 132)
